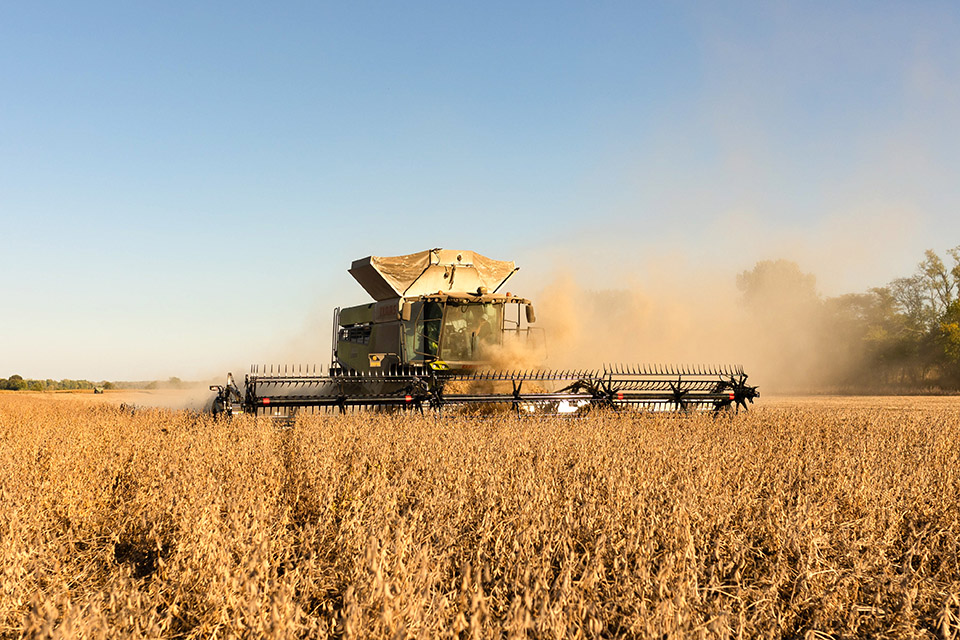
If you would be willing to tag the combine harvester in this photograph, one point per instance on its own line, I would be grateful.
(434, 336)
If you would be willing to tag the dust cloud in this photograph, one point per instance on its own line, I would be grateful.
(678, 301)
(683, 320)
(193, 397)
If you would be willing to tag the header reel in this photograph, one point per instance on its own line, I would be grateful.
(655, 388)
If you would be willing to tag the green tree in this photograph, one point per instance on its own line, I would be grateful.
(938, 283)
(948, 340)
(16, 383)
(911, 301)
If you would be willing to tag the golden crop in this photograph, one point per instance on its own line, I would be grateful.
(814, 520)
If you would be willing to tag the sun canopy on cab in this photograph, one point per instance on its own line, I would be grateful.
(427, 272)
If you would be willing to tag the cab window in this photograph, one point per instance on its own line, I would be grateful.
(469, 330)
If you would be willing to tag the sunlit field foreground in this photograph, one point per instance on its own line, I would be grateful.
(796, 518)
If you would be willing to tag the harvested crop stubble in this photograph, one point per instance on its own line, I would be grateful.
(826, 518)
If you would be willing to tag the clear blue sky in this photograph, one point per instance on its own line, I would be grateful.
(182, 185)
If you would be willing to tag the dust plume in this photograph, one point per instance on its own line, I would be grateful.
(684, 320)
(712, 298)
(191, 397)
(514, 354)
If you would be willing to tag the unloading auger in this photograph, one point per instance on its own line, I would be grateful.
(431, 338)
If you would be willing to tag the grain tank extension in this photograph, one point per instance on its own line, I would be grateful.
(443, 330)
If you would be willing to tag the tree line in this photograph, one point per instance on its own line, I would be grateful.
(19, 383)
(899, 337)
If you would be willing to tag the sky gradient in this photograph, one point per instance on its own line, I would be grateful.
(183, 186)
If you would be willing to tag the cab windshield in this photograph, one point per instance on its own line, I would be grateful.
(469, 330)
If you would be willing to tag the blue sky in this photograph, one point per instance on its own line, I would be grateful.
(182, 186)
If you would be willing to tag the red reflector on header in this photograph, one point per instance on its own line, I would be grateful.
(408, 398)
(731, 396)
(265, 401)
(620, 396)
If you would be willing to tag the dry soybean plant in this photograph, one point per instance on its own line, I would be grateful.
(810, 521)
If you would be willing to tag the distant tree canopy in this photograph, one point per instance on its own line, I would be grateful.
(777, 283)
(18, 383)
(905, 335)
(15, 383)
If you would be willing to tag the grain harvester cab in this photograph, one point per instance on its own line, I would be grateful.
(436, 309)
